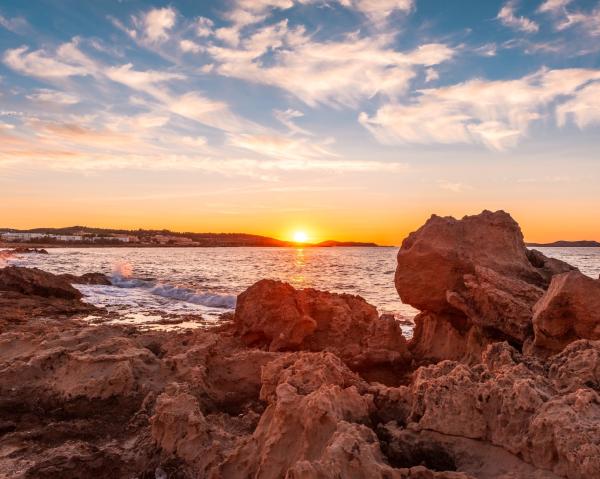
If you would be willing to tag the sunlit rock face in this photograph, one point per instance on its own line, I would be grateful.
(275, 315)
(538, 411)
(475, 282)
(568, 311)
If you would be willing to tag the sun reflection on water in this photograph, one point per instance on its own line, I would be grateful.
(299, 265)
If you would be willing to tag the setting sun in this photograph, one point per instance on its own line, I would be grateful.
(300, 237)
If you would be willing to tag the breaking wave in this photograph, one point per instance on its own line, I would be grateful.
(225, 301)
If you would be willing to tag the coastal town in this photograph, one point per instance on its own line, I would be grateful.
(86, 236)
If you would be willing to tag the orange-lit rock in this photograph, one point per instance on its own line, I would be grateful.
(569, 310)
(511, 403)
(276, 315)
(475, 281)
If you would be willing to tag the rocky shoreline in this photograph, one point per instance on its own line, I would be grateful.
(500, 380)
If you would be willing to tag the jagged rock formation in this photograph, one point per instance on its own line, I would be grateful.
(281, 318)
(526, 408)
(475, 282)
(569, 310)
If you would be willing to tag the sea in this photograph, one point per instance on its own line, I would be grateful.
(171, 288)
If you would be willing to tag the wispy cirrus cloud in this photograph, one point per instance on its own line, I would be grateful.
(45, 95)
(566, 16)
(69, 61)
(14, 24)
(508, 17)
(583, 108)
(553, 5)
(495, 113)
(41, 64)
(339, 74)
(287, 117)
(281, 147)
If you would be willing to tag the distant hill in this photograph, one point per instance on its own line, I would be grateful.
(332, 243)
(145, 236)
(148, 237)
(568, 244)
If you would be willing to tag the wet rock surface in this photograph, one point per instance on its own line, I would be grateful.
(87, 278)
(502, 380)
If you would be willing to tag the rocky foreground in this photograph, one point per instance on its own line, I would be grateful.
(501, 379)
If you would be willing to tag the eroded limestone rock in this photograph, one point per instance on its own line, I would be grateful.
(570, 310)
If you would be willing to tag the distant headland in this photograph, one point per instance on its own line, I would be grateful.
(568, 244)
(87, 236)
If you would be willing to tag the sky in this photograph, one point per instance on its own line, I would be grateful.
(347, 119)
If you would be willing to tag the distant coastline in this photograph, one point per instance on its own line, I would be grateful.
(567, 244)
(82, 236)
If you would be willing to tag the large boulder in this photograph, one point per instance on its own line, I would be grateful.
(34, 281)
(275, 315)
(568, 311)
(473, 277)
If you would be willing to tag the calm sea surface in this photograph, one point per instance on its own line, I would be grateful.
(152, 282)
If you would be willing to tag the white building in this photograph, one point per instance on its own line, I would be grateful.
(22, 236)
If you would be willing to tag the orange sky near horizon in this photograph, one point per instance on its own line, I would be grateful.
(387, 226)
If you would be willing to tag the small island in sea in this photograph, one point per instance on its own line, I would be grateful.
(568, 244)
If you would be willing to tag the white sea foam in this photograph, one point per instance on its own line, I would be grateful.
(224, 301)
(122, 269)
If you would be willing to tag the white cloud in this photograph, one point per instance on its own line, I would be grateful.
(15, 25)
(341, 73)
(229, 35)
(189, 46)
(213, 113)
(43, 65)
(157, 23)
(194, 141)
(280, 146)
(454, 187)
(583, 108)
(204, 27)
(553, 5)
(286, 117)
(146, 81)
(589, 22)
(507, 17)
(52, 96)
(494, 113)
(378, 10)
(431, 74)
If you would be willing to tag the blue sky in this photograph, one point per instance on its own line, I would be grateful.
(349, 118)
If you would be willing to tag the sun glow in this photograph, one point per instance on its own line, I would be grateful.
(300, 237)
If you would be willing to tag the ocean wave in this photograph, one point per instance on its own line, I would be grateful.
(126, 282)
(224, 301)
